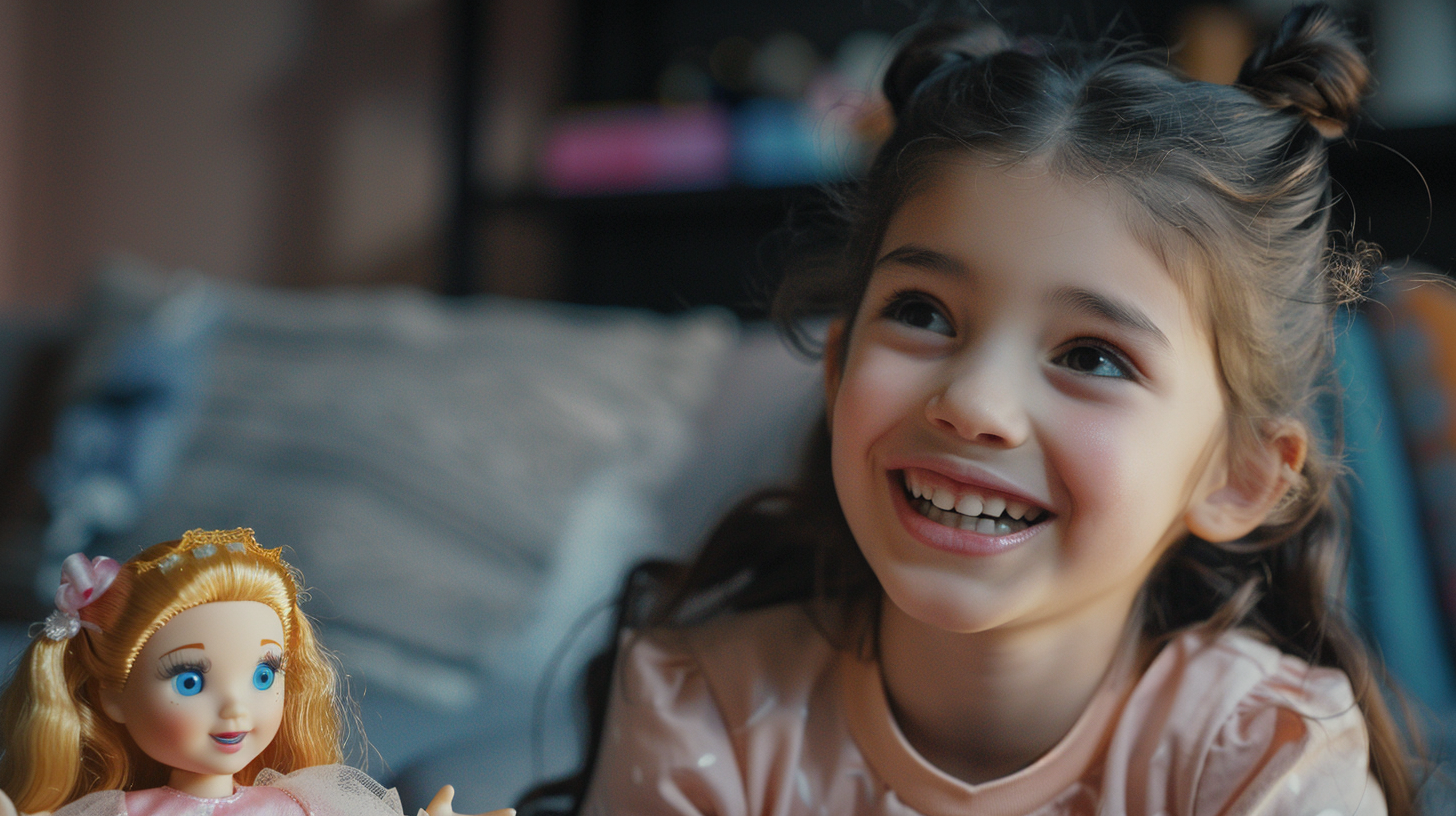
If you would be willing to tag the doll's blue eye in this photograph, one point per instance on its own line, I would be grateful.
(263, 677)
(188, 683)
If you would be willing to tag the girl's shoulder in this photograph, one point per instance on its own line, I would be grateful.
(711, 714)
(1226, 719)
(1215, 675)
(783, 647)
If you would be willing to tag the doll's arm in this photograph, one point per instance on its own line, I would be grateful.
(440, 805)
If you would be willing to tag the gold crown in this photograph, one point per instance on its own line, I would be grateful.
(202, 544)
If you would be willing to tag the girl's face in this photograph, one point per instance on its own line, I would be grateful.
(205, 695)
(1026, 408)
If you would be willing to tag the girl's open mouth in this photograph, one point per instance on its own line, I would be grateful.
(962, 507)
(230, 738)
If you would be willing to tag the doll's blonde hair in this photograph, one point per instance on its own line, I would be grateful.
(60, 746)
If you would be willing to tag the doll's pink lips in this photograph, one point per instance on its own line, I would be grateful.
(230, 740)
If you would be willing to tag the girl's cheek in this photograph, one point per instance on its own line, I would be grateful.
(1099, 453)
(879, 380)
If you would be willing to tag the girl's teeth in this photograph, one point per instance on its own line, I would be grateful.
(969, 506)
(993, 515)
(979, 524)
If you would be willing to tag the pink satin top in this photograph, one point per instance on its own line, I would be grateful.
(320, 790)
(247, 801)
(758, 715)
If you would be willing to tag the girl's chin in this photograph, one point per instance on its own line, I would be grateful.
(951, 609)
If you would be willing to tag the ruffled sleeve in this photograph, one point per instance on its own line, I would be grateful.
(100, 803)
(334, 790)
(1227, 725)
(665, 748)
(1295, 745)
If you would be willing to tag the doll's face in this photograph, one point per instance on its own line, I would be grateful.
(205, 695)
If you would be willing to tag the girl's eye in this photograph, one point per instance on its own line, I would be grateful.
(1094, 361)
(188, 683)
(263, 677)
(919, 312)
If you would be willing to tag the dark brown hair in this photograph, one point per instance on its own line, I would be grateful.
(1231, 189)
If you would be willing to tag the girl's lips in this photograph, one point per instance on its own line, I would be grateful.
(230, 741)
(950, 539)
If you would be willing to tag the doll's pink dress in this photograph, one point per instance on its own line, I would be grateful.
(323, 790)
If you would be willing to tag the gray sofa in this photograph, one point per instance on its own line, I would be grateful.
(462, 483)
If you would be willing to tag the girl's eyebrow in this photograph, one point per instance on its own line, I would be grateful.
(186, 646)
(1119, 312)
(924, 258)
(266, 641)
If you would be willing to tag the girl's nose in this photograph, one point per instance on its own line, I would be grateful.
(982, 403)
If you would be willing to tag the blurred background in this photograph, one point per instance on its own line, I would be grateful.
(624, 151)
(412, 288)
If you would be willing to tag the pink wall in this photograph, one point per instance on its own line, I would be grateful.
(11, 41)
(282, 141)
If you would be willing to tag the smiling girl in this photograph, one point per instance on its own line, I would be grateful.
(1068, 542)
(186, 681)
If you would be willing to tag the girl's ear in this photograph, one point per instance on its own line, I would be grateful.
(110, 700)
(833, 364)
(1239, 492)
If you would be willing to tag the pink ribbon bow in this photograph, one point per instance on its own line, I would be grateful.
(83, 580)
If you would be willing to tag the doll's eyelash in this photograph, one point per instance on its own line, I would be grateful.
(173, 666)
(274, 661)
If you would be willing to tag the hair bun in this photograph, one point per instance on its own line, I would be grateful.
(933, 48)
(1311, 67)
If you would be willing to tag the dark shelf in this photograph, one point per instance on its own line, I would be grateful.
(1399, 189)
(668, 251)
(672, 250)
(731, 198)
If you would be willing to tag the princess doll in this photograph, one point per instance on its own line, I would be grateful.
(187, 680)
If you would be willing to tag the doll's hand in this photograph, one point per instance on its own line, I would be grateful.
(440, 805)
(7, 808)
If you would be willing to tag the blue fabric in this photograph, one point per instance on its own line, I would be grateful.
(1394, 589)
(117, 443)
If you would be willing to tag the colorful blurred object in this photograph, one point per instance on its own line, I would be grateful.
(772, 114)
(1418, 328)
(640, 148)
